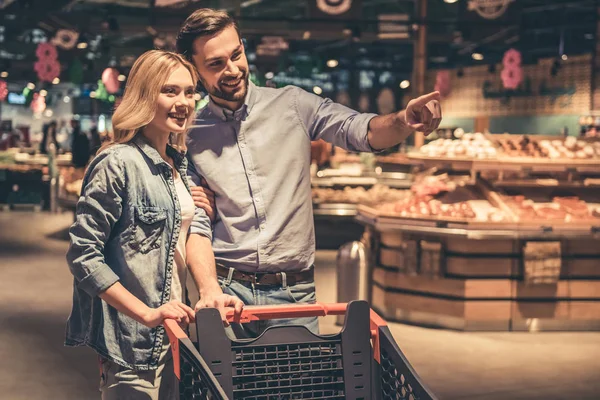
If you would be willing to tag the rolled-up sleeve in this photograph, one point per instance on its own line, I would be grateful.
(201, 224)
(333, 122)
(98, 209)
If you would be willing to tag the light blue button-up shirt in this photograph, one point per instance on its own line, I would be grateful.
(257, 161)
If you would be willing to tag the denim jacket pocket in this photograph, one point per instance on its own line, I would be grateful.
(149, 226)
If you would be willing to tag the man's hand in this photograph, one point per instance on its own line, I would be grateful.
(204, 198)
(221, 301)
(424, 113)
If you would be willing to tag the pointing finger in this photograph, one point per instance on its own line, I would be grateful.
(422, 100)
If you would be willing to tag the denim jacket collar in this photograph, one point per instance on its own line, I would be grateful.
(240, 114)
(178, 157)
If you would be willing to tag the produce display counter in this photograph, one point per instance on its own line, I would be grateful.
(487, 255)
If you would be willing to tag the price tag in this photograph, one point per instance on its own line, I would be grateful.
(542, 262)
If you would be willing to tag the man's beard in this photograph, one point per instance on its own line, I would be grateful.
(229, 96)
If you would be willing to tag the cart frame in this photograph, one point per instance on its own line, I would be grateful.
(289, 362)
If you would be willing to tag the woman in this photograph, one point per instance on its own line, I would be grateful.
(127, 250)
(80, 146)
(49, 136)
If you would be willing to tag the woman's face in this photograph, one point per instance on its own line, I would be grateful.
(175, 103)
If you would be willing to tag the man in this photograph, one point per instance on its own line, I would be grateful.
(252, 146)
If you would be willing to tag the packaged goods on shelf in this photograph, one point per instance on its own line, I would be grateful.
(358, 195)
(470, 145)
(565, 209)
(569, 148)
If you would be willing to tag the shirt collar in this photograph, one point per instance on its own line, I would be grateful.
(241, 113)
(142, 143)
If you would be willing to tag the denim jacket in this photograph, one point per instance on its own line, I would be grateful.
(127, 224)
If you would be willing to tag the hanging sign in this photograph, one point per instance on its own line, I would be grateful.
(512, 74)
(47, 66)
(335, 8)
(3, 90)
(110, 80)
(489, 9)
(66, 39)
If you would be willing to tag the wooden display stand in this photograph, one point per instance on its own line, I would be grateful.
(481, 284)
(466, 275)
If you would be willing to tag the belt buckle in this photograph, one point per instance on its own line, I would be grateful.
(256, 279)
(259, 275)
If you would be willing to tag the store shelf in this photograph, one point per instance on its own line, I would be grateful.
(335, 210)
(502, 231)
(520, 164)
(533, 183)
(395, 180)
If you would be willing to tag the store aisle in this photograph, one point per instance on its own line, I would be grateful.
(35, 298)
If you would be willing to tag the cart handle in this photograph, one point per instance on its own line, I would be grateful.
(175, 334)
(256, 313)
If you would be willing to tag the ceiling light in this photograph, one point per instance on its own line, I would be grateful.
(317, 90)
(43, 93)
(564, 57)
(450, 1)
(122, 78)
(66, 99)
(269, 75)
(93, 95)
(4, 74)
(82, 45)
(30, 86)
(404, 84)
(332, 63)
(306, 35)
(477, 56)
(56, 81)
(48, 113)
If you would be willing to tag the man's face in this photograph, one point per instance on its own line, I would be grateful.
(221, 62)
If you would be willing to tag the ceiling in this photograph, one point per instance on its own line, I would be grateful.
(123, 29)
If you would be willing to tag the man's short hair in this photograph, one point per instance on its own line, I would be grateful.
(202, 22)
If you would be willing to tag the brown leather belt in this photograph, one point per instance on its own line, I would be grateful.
(268, 279)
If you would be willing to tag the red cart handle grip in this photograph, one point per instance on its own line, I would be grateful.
(255, 313)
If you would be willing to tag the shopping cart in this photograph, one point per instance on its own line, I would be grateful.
(361, 362)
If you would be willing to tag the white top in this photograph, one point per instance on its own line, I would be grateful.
(187, 214)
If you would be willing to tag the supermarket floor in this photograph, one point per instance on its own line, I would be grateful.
(35, 297)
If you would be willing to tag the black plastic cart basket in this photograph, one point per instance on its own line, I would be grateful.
(361, 362)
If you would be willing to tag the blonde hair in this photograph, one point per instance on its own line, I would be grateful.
(138, 107)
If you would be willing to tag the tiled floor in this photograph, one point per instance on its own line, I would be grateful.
(35, 298)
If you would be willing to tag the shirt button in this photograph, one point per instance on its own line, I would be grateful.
(250, 172)
(242, 145)
(257, 200)
(263, 226)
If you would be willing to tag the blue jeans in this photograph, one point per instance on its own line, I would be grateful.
(252, 294)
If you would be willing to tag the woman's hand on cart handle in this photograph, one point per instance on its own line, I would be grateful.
(222, 302)
(174, 309)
